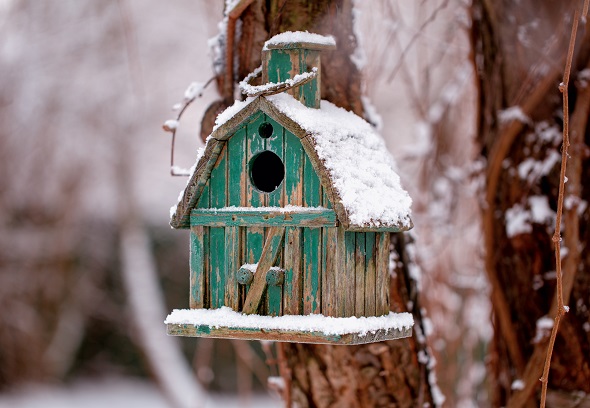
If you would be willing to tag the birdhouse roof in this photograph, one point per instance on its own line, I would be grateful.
(351, 159)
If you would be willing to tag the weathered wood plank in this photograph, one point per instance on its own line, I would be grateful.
(218, 181)
(370, 277)
(255, 144)
(274, 292)
(237, 173)
(254, 241)
(218, 266)
(382, 271)
(312, 270)
(344, 306)
(263, 218)
(329, 266)
(293, 169)
(233, 263)
(191, 330)
(360, 273)
(197, 273)
(270, 251)
(292, 295)
(346, 241)
(275, 144)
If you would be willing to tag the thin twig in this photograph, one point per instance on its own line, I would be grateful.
(563, 88)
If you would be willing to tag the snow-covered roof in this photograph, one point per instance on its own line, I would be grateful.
(364, 187)
(300, 39)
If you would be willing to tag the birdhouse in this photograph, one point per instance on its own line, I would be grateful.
(290, 207)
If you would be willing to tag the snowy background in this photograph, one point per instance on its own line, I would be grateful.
(86, 191)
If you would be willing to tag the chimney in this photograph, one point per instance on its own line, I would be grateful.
(290, 53)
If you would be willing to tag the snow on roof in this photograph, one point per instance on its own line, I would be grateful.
(362, 170)
(299, 37)
(226, 317)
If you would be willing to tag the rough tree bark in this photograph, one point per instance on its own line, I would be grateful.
(381, 374)
(519, 55)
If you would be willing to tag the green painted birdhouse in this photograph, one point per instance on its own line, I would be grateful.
(290, 208)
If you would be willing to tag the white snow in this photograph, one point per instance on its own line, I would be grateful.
(226, 317)
(194, 90)
(517, 221)
(230, 112)
(170, 125)
(513, 113)
(532, 169)
(298, 79)
(299, 36)
(517, 385)
(357, 159)
(544, 326)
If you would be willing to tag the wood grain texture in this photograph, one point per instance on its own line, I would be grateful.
(382, 274)
(348, 273)
(370, 274)
(292, 261)
(329, 266)
(360, 273)
(270, 251)
(197, 272)
(294, 336)
(263, 218)
(232, 264)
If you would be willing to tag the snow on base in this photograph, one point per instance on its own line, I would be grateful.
(226, 317)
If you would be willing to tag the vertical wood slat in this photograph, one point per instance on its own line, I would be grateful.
(270, 251)
(360, 272)
(274, 294)
(382, 269)
(342, 281)
(312, 243)
(236, 196)
(348, 273)
(256, 144)
(197, 272)
(217, 267)
(292, 295)
(329, 265)
(294, 170)
(232, 264)
(218, 199)
(275, 144)
(370, 278)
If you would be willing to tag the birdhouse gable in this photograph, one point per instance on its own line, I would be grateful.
(321, 158)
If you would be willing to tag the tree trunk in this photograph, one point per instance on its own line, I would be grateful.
(380, 374)
(519, 55)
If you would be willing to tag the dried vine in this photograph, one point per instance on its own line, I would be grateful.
(561, 309)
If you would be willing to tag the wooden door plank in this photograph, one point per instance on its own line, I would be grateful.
(275, 144)
(294, 158)
(197, 273)
(382, 270)
(270, 251)
(370, 307)
(255, 145)
(360, 273)
(218, 266)
(330, 258)
(349, 273)
(232, 265)
(292, 295)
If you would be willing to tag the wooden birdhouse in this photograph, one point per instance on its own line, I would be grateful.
(290, 207)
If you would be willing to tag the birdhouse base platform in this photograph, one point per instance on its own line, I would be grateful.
(226, 323)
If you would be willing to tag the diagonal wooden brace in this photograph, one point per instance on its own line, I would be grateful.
(272, 245)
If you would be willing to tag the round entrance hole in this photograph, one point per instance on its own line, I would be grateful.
(265, 130)
(267, 171)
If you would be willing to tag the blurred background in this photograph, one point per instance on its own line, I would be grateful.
(89, 267)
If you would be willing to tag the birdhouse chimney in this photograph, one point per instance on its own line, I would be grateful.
(291, 53)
